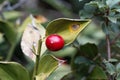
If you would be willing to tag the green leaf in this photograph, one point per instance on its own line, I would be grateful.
(97, 4)
(70, 76)
(67, 51)
(12, 15)
(1, 37)
(118, 10)
(46, 66)
(90, 8)
(80, 0)
(67, 28)
(9, 31)
(118, 76)
(112, 3)
(110, 68)
(81, 64)
(13, 71)
(113, 19)
(114, 27)
(85, 15)
(113, 60)
(89, 50)
(81, 60)
(118, 67)
(97, 74)
(105, 28)
(59, 72)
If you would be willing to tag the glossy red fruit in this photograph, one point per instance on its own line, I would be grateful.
(54, 42)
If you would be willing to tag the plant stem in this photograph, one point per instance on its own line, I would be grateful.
(36, 67)
(37, 60)
(10, 53)
(108, 46)
(107, 35)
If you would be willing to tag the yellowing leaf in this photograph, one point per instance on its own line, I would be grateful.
(67, 28)
(31, 35)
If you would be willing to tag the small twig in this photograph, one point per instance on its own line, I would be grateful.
(1, 8)
(115, 39)
(97, 56)
(9, 7)
(108, 46)
(107, 35)
(6, 6)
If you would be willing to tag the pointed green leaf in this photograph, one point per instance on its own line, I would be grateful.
(13, 71)
(97, 74)
(110, 68)
(46, 66)
(59, 72)
(67, 28)
(113, 19)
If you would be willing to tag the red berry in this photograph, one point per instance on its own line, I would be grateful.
(54, 42)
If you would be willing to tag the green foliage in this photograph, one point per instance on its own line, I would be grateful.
(86, 61)
(13, 71)
(106, 13)
(103, 11)
(12, 15)
(46, 66)
(85, 56)
(91, 51)
(97, 73)
(60, 72)
(11, 37)
(9, 31)
(110, 68)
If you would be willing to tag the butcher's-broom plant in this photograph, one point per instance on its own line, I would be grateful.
(36, 42)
